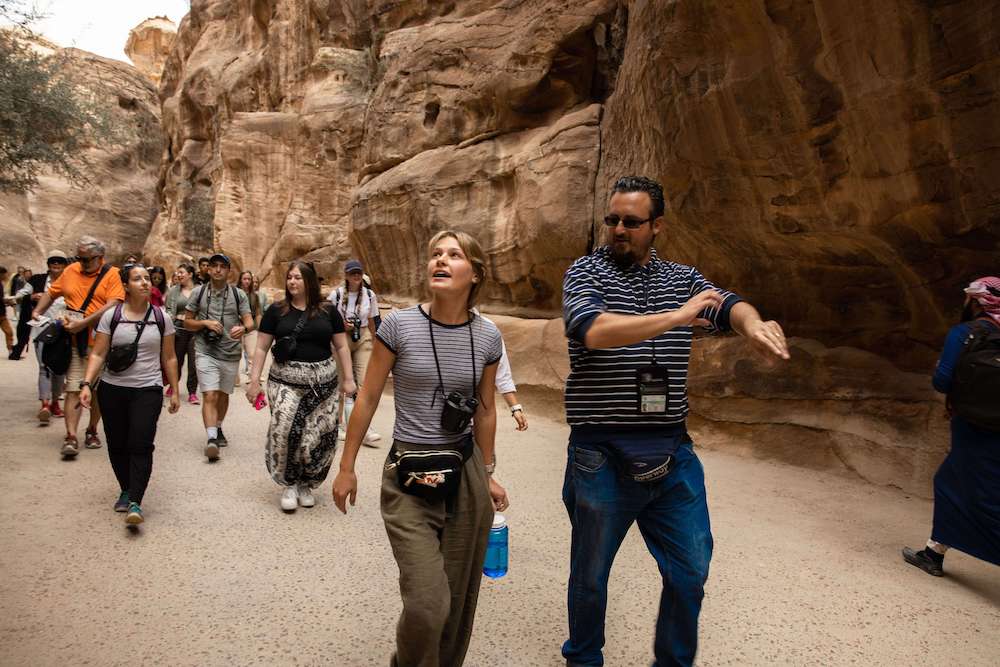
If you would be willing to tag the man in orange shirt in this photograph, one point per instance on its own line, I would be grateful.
(74, 285)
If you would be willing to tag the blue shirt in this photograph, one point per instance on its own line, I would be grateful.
(601, 388)
(954, 343)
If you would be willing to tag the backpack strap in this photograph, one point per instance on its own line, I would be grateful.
(116, 317)
(160, 324)
(93, 287)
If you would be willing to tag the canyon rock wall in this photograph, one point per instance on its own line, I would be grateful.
(149, 45)
(120, 201)
(833, 161)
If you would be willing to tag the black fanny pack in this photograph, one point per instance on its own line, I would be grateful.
(121, 357)
(431, 474)
(284, 347)
(645, 460)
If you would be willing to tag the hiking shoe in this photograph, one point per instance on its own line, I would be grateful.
(193, 399)
(134, 516)
(221, 439)
(70, 447)
(56, 410)
(121, 505)
(926, 562)
(92, 441)
(44, 414)
(289, 499)
(212, 449)
(306, 498)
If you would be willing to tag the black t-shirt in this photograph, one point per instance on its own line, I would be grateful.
(315, 339)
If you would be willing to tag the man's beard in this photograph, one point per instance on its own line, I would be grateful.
(626, 258)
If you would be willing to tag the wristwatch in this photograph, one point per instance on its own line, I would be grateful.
(84, 383)
(491, 467)
(516, 408)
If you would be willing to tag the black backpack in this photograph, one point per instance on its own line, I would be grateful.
(975, 385)
(57, 348)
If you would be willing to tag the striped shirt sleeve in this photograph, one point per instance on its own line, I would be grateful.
(583, 300)
(388, 332)
(719, 317)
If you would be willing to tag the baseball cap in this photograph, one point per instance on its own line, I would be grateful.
(353, 265)
(57, 254)
(219, 257)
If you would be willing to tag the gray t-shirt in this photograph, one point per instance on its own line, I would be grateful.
(145, 372)
(175, 302)
(226, 306)
(416, 389)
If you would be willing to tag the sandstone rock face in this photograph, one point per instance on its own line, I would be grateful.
(149, 44)
(835, 161)
(832, 161)
(119, 205)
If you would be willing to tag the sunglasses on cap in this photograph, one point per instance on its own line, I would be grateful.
(629, 223)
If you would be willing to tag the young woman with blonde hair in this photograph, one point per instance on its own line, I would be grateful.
(438, 491)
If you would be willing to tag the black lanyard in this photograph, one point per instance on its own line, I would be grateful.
(437, 364)
(208, 306)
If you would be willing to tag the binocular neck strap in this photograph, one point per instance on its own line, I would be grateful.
(437, 364)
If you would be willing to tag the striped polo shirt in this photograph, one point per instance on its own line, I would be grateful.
(601, 389)
(417, 390)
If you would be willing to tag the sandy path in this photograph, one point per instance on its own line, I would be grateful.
(806, 568)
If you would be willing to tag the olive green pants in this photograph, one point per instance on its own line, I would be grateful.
(439, 548)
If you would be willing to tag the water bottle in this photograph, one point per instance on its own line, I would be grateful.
(496, 549)
(348, 409)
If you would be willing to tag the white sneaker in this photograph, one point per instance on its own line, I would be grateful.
(373, 436)
(289, 499)
(341, 433)
(305, 496)
(369, 441)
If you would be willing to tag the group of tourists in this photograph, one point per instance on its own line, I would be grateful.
(629, 318)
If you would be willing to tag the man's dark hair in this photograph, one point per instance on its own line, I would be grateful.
(3, 269)
(642, 184)
(203, 259)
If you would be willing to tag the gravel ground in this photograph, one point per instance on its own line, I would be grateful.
(806, 570)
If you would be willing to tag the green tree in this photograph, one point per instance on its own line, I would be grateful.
(46, 122)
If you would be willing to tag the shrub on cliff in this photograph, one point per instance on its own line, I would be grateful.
(46, 122)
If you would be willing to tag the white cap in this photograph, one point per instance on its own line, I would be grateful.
(499, 521)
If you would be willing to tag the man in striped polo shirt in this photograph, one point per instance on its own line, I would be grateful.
(629, 317)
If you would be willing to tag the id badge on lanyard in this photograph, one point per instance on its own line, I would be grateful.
(651, 384)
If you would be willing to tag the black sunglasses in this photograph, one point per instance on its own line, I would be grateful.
(630, 223)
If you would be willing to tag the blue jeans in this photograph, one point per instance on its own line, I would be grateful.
(673, 518)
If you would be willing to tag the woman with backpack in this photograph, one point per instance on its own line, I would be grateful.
(136, 340)
(358, 306)
(177, 300)
(246, 283)
(438, 493)
(967, 485)
(302, 385)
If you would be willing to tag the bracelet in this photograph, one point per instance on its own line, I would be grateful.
(491, 467)
(516, 408)
(85, 383)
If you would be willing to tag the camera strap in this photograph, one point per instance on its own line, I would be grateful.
(437, 364)
(207, 287)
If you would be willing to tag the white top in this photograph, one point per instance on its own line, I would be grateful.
(367, 309)
(145, 372)
(505, 379)
(55, 311)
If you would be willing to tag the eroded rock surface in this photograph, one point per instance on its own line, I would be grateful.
(149, 45)
(834, 162)
(119, 204)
